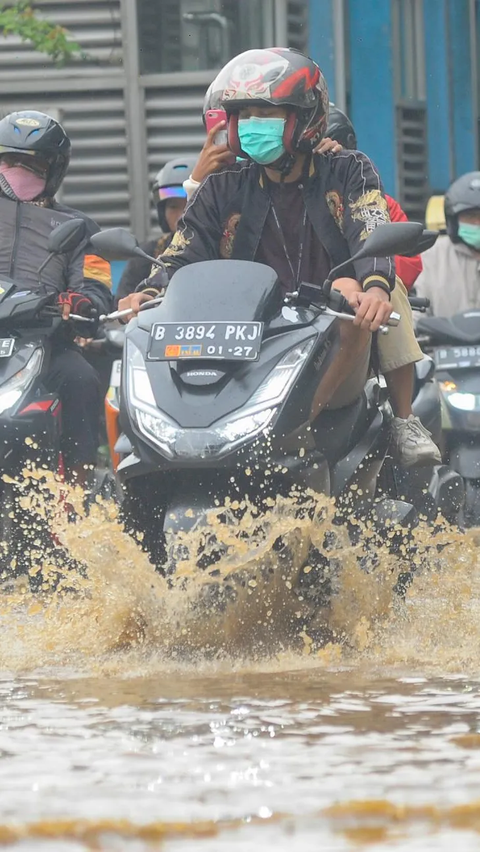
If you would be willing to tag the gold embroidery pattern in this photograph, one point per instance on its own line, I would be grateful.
(162, 244)
(371, 209)
(180, 241)
(335, 205)
(228, 236)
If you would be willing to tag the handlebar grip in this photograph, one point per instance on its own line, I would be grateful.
(418, 303)
(394, 319)
(338, 302)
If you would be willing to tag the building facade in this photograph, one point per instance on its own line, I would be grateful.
(136, 100)
(405, 70)
(407, 73)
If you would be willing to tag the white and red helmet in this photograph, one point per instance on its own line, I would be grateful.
(274, 76)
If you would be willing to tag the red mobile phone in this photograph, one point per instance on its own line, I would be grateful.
(213, 117)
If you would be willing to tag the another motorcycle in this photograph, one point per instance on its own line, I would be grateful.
(30, 416)
(454, 345)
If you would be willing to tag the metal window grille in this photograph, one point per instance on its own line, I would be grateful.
(412, 159)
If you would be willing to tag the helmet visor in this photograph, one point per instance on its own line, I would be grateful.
(35, 163)
(166, 192)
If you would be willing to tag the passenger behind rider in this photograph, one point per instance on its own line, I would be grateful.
(398, 350)
(299, 213)
(451, 268)
(34, 158)
(170, 199)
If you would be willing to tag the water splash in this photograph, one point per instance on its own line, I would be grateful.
(263, 598)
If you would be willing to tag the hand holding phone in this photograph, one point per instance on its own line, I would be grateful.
(215, 153)
(212, 118)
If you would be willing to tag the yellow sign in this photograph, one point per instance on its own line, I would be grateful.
(28, 122)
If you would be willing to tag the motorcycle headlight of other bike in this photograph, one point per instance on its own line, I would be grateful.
(175, 441)
(460, 400)
(13, 389)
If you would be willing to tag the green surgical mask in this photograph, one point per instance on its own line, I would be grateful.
(262, 138)
(470, 234)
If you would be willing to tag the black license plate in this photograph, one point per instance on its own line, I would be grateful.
(229, 341)
(457, 357)
(6, 346)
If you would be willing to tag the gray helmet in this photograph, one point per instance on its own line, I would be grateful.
(168, 183)
(341, 129)
(39, 135)
(464, 194)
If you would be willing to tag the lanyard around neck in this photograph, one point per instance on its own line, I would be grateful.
(295, 278)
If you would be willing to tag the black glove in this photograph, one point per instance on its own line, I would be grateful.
(80, 304)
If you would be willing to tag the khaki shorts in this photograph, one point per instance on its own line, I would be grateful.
(399, 347)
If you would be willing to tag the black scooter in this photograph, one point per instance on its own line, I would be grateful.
(454, 345)
(217, 388)
(30, 416)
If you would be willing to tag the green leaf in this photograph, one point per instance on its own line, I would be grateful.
(19, 19)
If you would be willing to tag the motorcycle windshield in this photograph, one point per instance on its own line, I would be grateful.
(221, 290)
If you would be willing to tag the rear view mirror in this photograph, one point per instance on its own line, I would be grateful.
(426, 241)
(392, 238)
(116, 244)
(67, 236)
(384, 241)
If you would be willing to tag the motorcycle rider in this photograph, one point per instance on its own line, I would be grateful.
(398, 350)
(170, 199)
(451, 268)
(34, 158)
(300, 214)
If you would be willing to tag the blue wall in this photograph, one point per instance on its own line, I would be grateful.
(438, 98)
(117, 267)
(320, 43)
(450, 110)
(458, 47)
(371, 72)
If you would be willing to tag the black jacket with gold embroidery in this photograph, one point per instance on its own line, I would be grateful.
(343, 196)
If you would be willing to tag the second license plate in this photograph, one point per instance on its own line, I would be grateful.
(457, 357)
(229, 341)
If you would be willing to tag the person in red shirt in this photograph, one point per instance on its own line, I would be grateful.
(408, 268)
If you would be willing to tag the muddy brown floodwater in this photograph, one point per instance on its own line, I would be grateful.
(131, 718)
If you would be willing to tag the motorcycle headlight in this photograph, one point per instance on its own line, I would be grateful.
(177, 442)
(152, 422)
(277, 384)
(13, 389)
(464, 401)
(226, 436)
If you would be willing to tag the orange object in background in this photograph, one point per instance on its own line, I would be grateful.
(112, 410)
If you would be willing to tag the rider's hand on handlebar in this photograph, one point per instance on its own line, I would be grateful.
(212, 157)
(75, 303)
(372, 308)
(133, 302)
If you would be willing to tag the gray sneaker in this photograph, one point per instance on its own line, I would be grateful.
(412, 443)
